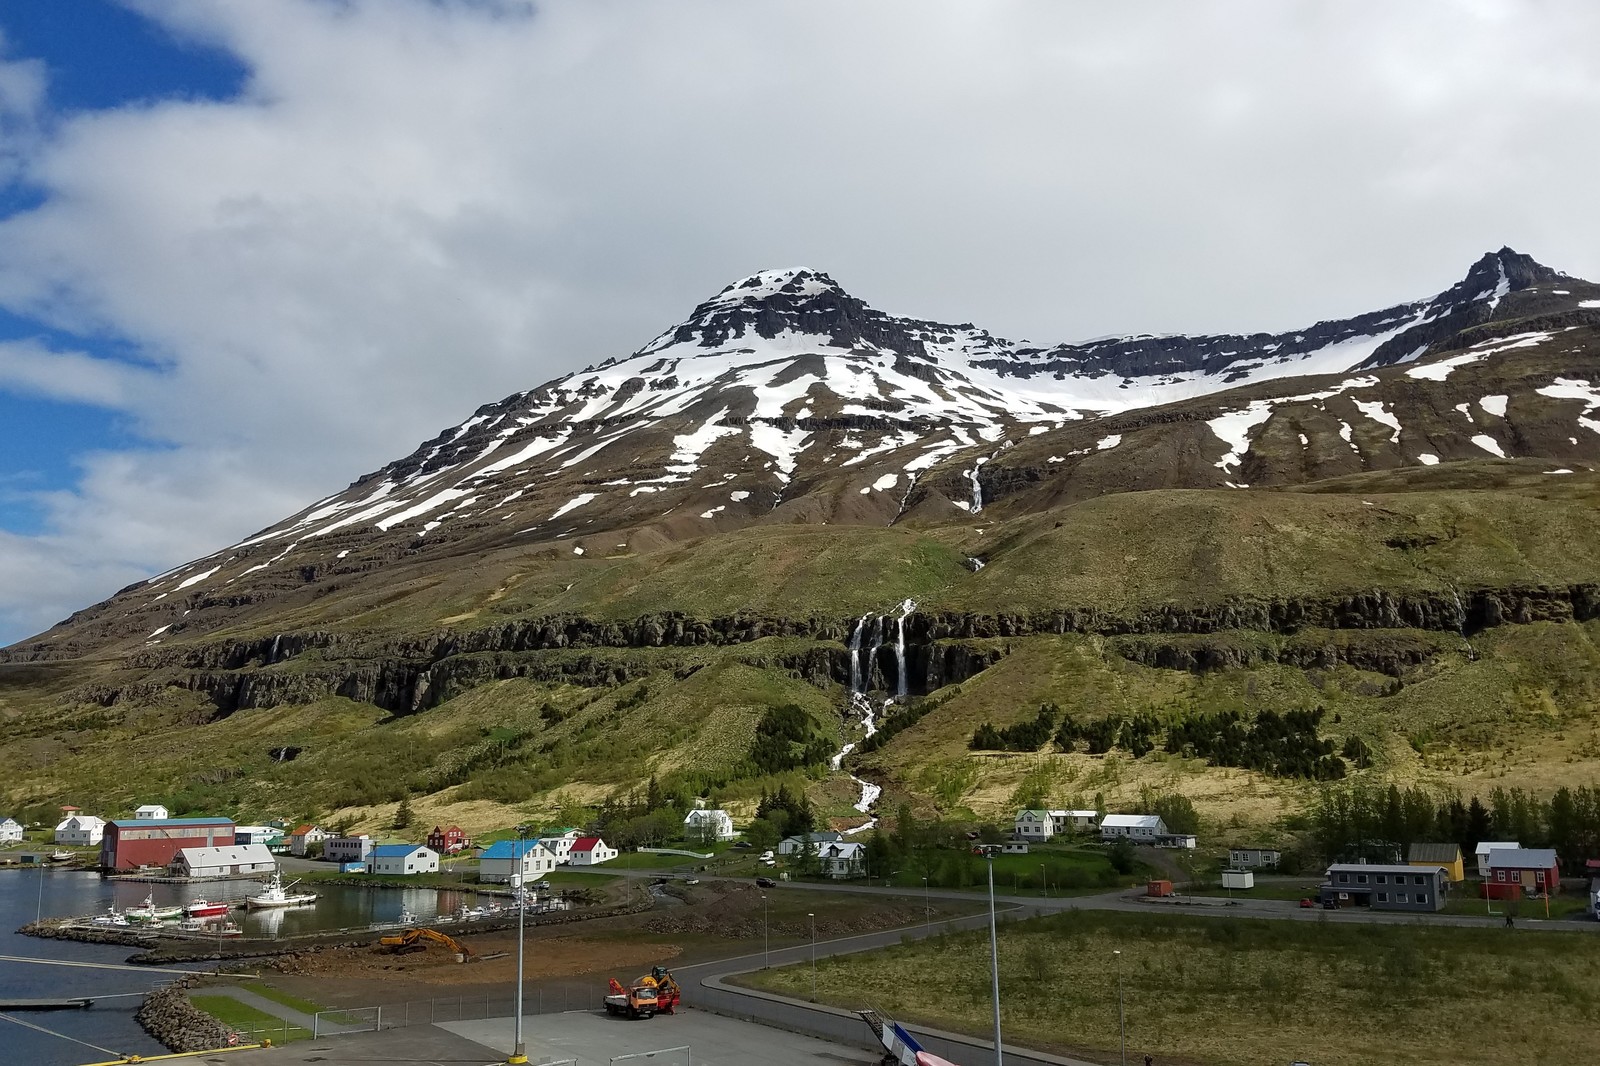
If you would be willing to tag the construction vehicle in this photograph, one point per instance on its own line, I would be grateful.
(636, 1002)
(419, 939)
(667, 991)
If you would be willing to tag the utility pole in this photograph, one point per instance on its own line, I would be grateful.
(766, 943)
(994, 953)
(519, 1054)
(1122, 1018)
(813, 918)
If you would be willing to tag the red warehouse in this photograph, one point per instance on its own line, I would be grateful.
(133, 842)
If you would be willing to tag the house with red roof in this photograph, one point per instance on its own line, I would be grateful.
(590, 851)
(304, 836)
(447, 840)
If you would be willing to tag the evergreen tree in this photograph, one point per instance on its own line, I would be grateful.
(402, 814)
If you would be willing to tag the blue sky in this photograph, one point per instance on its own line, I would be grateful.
(253, 249)
(95, 56)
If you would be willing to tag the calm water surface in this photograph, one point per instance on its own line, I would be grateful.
(25, 894)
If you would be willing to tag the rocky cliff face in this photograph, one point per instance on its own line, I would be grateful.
(407, 675)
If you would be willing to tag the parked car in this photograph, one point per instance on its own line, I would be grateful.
(766, 856)
(742, 844)
(1308, 903)
(765, 882)
(691, 880)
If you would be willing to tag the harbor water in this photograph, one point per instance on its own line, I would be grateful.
(109, 1024)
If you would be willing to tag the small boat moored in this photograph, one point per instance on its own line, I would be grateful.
(149, 912)
(204, 908)
(276, 894)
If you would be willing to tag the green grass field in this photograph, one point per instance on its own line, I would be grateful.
(1233, 992)
(251, 1023)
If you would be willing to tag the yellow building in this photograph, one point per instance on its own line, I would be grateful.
(1445, 855)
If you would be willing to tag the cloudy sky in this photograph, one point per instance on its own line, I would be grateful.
(249, 251)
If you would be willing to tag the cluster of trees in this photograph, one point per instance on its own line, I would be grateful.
(1283, 745)
(787, 739)
(1024, 736)
(647, 818)
(1286, 745)
(1358, 821)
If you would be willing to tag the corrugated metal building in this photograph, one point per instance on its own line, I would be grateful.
(224, 861)
(133, 842)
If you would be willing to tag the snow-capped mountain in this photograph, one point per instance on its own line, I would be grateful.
(784, 398)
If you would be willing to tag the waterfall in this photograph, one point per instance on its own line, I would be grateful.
(273, 656)
(977, 486)
(1461, 624)
(906, 607)
(855, 655)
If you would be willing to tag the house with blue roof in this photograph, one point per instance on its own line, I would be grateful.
(403, 859)
(514, 862)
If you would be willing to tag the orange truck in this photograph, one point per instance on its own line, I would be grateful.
(636, 1002)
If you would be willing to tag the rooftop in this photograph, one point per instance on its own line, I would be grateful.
(148, 823)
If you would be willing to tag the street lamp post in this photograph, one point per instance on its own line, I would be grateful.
(1122, 1018)
(1044, 882)
(927, 905)
(519, 1054)
(994, 954)
(813, 917)
(766, 943)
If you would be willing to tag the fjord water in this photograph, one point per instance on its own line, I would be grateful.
(109, 1024)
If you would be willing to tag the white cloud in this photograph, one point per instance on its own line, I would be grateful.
(419, 207)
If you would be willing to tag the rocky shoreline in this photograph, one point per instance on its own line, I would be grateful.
(178, 1025)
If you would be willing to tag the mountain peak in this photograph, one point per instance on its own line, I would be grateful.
(1507, 271)
(797, 282)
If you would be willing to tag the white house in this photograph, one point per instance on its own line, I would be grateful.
(403, 859)
(1484, 848)
(10, 831)
(590, 851)
(843, 860)
(224, 861)
(152, 810)
(304, 836)
(499, 862)
(1139, 828)
(348, 849)
(560, 843)
(796, 844)
(1074, 821)
(1034, 826)
(708, 825)
(81, 830)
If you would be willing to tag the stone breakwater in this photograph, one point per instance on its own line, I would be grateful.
(168, 1016)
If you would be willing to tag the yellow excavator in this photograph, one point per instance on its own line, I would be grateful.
(419, 939)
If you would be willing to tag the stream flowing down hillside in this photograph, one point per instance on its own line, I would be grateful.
(860, 680)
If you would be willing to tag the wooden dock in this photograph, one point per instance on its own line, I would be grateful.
(73, 1003)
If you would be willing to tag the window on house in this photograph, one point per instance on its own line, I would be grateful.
(1383, 897)
(1538, 875)
(1379, 878)
(1344, 879)
(1499, 875)
(1422, 897)
(1361, 879)
(1420, 880)
(1400, 897)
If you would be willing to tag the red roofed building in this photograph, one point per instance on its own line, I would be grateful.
(130, 843)
(590, 851)
(447, 841)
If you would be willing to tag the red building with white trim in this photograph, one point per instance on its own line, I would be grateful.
(129, 843)
(447, 841)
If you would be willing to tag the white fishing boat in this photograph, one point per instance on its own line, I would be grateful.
(406, 917)
(276, 894)
(111, 917)
(149, 912)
